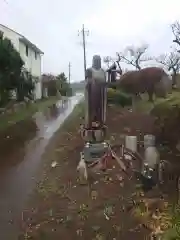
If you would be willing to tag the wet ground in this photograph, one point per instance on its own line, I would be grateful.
(104, 209)
(22, 147)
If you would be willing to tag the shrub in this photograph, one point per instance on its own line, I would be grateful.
(167, 114)
(13, 76)
(118, 97)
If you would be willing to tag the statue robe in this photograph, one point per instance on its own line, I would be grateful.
(95, 96)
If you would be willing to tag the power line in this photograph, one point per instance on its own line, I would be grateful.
(84, 33)
(69, 66)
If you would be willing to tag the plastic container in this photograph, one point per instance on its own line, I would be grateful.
(131, 143)
(149, 141)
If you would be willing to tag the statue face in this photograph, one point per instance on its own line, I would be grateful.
(96, 62)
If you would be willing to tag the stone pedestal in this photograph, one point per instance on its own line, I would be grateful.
(94, 151)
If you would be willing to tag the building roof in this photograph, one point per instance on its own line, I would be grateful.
(25, 40)
(30, 44)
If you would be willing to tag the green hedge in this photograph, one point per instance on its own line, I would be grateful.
(118, 97)
(167, 121)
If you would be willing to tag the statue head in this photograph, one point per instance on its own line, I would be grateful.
(96, 62)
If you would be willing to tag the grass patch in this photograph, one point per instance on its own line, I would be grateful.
(145, 106)
(7, 120)
(173, 233)
(118, 97)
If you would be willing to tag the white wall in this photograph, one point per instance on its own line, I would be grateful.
(32, 64)
(38, 90)
(13, 36)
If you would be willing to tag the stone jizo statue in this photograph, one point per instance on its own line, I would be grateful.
(95, 95)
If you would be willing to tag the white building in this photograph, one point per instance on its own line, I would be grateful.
(30, 54)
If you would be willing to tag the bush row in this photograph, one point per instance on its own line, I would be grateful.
(167, 121)
(118, 97)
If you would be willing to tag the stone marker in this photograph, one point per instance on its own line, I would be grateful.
(95, 111)
(95, 94)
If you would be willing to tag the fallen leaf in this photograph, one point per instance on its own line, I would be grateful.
(119, 177)
(95, 182)
(108, 210)
(127, 157)
(37, 226)
(117, 228)
(122, 184)
(157, 231)
(99, 237)
(106, 216)
(155, 217)
(94, 195)
(53, 164)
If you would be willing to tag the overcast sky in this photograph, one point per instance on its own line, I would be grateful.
(113, 24)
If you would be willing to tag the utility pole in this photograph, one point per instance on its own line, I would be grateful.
(69, 72)
(84, 32)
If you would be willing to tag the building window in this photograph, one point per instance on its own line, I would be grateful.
(1, 34)
(27, 50)
(35, 55)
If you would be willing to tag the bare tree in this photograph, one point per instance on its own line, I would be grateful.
(111, 62)
(176, 32)
(172, 62)
(134, 56)
(118, 63)
(107, 60)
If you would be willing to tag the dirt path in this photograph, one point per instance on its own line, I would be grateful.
(61, 208)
